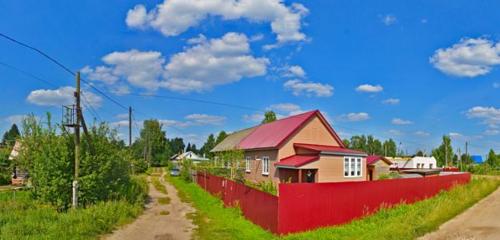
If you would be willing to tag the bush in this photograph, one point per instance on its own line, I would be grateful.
(49, 159)
(483, 169)
(186, 169)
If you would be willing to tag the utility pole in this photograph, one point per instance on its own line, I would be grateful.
(446, 154)
(130, 126)
(77, 142)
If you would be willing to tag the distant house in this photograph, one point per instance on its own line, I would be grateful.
(376, 166)
(189, 155)
(477, 159)
(300, 148)
(414, 163)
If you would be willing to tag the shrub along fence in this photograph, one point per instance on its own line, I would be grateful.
(306, 206)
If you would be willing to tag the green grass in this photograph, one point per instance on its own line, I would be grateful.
(406, 221)
(164, 200)
(213, 220)
(164, 212)
(23, 218)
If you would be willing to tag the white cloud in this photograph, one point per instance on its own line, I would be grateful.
(296, 71)
(468, 58)
(281, 110)
(355, 117)
(256, 117)
(61, 96)
(100, 73)
(491, 132)
(211, 63)
(391, 101)
(455, 135)
(389, 19)
(285, 107)
(298, 88)
(205, 119)
(399, 121)
(15, 119)
(200, 67)
(395, 132)
(422, 134)
(369, 88)
(489, 115)
(174, 17)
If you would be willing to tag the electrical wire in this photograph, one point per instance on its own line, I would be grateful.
(62, 66)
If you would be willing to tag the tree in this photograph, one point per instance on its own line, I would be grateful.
(49, 159)
(419, 153)
(444, 152)
(389, 148)
(358, 143)
(222, 135)
(188, 148)
(152, 143)
(492, 159)
(208, 146)
(176, 145)
(346, 143)
(269, 116)
(9, 138)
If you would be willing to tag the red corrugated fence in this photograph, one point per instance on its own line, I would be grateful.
(259, 207)
(305, 206)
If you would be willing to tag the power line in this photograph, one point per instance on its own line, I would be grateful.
(62, 66)
(198, 101)
(40, 52)
(27, 74)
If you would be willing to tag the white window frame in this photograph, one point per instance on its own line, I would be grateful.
(353, 161)
(265, 165)
(247, 164)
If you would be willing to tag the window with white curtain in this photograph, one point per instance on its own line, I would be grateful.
(265, 165)
(247, 164)
(353, 167)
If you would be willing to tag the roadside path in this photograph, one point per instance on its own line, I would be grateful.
(481, 221)
(160, 222)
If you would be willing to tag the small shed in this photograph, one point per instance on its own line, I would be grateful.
(377, 165)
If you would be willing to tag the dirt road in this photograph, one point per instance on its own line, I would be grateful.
(481, 221)
(159, 221)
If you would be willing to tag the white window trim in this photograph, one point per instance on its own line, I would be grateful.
(247, 164)
(349, 164)
(265, 159)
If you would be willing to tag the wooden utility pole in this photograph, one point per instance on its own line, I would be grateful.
(446, 153)
(77, 142)
(130, 126)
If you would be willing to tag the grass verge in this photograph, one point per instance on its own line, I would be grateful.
(406, 221)
(164, 200)
(21, 217)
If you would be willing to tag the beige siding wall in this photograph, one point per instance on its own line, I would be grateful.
(314, 132)
(255, 173)
(331, 169)
(380, 167)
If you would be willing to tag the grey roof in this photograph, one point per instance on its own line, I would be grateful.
(232, 140)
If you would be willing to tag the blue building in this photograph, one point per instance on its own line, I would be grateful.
(477, 159)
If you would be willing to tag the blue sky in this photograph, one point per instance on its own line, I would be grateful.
(407, 71)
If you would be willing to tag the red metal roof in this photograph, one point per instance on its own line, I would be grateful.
(372, 159)
(273, 134)
(296, 160)
(325, 148)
